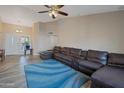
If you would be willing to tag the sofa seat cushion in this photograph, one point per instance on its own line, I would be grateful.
(65, 57)
(109, 76)
(90, 65)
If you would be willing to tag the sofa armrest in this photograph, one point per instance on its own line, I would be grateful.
(46, 54)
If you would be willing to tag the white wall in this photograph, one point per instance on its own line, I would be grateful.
(52, 27)
(100, 31)
(41, 39)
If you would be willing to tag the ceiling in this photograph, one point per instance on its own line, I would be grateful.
(27, 14)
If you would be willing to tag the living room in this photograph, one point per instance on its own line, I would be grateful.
(94, 29)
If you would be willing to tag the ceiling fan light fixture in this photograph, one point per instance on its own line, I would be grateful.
(53, 12)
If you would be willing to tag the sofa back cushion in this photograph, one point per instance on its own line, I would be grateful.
(97, 56)
(116, 59)
(75, 52)
(65, 50)
(83, 55)
(57, 49)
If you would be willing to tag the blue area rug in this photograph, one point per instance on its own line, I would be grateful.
(53, 74)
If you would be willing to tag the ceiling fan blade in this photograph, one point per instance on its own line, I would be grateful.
(62, 13)
(47, 6)
(53, 17)
(43, 11)
(60, 6)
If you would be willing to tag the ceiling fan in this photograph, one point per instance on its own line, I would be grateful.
(54, 10)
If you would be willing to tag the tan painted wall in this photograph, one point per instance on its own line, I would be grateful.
(100, 31)
(11, 28)
(0, 25)
(1, 35)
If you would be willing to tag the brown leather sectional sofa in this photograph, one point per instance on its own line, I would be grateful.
(106, 69)
(84, 61)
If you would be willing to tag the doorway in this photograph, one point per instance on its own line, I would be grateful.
(14, 43)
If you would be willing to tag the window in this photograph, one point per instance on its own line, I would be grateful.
(24, 39)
